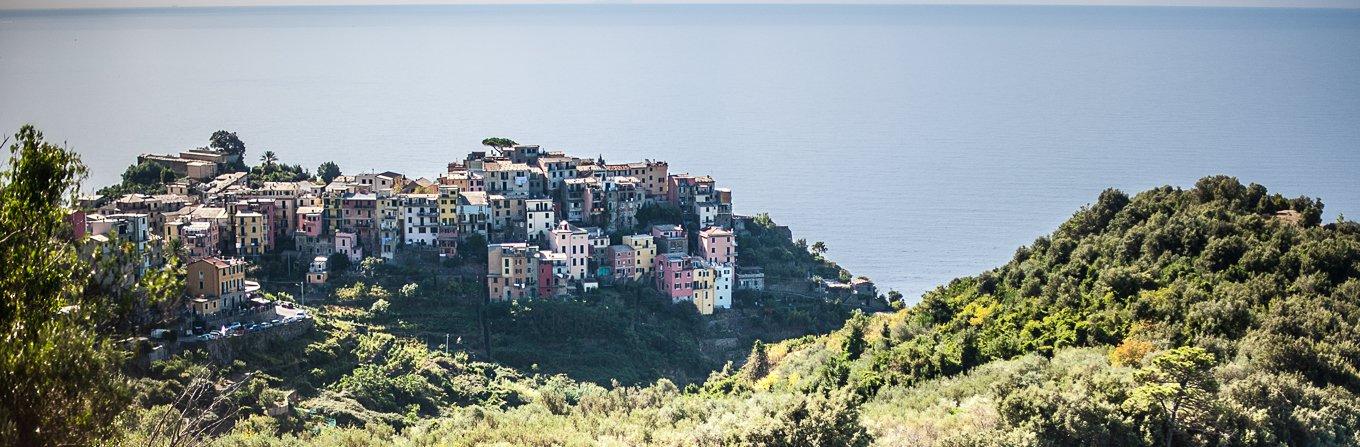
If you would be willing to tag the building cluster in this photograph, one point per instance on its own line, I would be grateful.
(554, 223)
(559, 224)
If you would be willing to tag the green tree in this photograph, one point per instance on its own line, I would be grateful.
(59, 376)
(148, 173)
(819, 248)
(498, 143)
(227, 142)
(379, 307)
(854, 338)
(758, 363)
(1176, 387)
(338, 262)
(328, 171)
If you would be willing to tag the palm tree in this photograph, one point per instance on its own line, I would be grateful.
(269, 158)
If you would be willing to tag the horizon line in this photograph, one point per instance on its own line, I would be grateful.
(134, 5)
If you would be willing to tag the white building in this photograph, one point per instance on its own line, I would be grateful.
(538, 218)
(723, 282)
(420, 219)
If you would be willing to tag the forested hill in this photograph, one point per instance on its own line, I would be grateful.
(1229, 316)
(1213, 266)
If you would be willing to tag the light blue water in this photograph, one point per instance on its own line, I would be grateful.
(920, 143)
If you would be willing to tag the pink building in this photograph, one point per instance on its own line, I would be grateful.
(674, 276)
(718, 245)
(348, 244)
(553, 273)
(574, 242)
(622, 262)
(77, 220)
(309, 220)
(201, 239)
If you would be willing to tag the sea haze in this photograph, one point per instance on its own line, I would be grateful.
(921, 143)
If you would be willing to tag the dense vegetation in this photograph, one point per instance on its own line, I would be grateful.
(147, 177)
(1209, 321)
(784, 263)
(1219, 315)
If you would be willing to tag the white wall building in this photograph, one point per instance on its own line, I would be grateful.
(420, 219)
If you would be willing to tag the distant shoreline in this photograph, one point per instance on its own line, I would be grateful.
(107, 6)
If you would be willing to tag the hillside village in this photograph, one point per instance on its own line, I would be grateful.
(552, 224)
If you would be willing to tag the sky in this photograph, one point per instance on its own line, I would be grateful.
(88, 4)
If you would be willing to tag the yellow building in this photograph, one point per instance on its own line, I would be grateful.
(644, 251)
(704, 293)
(214, 284)
(448, 206)
(250, 233)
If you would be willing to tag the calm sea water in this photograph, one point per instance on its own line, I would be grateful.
(920, 143)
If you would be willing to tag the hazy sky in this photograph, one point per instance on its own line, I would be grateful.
(75, 4)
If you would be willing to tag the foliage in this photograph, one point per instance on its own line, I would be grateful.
(338, 262)
(654, 213)
(498, 143)
(764, 245)
(272, 171)
(148, 177)
(59, 375)
(327, 172)
(1176, 388)
(379, 307)
(229, 143)
(1209, 271)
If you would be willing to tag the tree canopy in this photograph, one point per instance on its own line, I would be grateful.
(59, 377)
(498, 143)
(328, 171)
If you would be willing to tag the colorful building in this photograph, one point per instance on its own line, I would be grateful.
(511, 271)
(622, 262)
(347, 244)
(718, 245)
(553, 274)
(252, 233)
(215, 284)
(319, 271)
(674, 276)
(704, 294)
(538, 218)
(670, 239)
(473, 213)
(447, 235)
(644, 251)
(574, 242)
(420, 224)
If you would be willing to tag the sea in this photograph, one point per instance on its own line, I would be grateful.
(919, 143)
